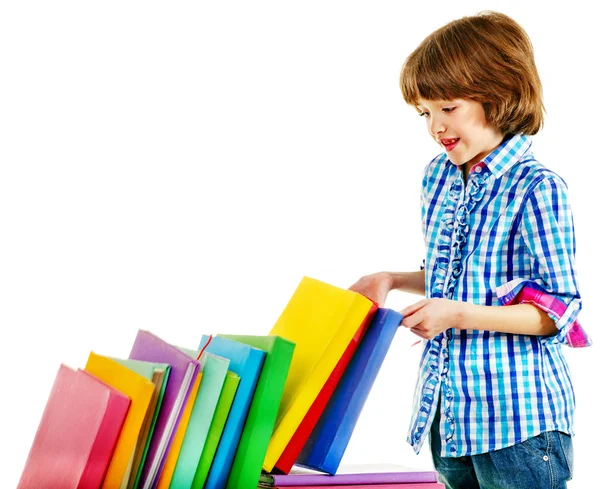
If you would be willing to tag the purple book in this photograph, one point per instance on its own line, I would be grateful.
(350, 475)
(184, 370)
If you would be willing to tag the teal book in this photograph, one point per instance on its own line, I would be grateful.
(247, 362)
(230, 386)
(158, 373)
(252, 448)
(214, 371)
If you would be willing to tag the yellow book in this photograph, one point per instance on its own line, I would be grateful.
(166, 475)
(321, 320)
(140, 390)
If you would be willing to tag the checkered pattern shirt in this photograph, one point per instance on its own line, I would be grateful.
(505, 237)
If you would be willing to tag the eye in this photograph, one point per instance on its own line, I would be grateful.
(448, 109)
(424, 114)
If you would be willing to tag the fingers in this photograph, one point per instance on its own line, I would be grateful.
(410, 310)
(413, 319)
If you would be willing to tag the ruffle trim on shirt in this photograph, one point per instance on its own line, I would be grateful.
(428, 394)
(520, 291)
(460, 213)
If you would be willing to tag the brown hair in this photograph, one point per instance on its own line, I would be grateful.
(487, 58)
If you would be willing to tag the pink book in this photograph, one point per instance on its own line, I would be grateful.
(77, 434)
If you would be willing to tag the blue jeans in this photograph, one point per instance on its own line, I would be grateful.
(544, 461)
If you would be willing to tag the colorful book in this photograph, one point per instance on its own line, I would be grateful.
(328, 440)
(246, 362)
(77, 434)
(354, 476)
(216, 429)
(322, 320)
(250, 454)
(214, 371)
(313, 415)
(158, 374)
(184, 370)
(139, 390)
(166, 475)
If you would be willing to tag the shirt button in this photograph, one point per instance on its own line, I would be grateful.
(545, 458)
(478, 169)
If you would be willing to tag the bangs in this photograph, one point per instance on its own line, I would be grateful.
(435, 73)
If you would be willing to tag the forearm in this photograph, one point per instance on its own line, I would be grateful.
(525, 319)
(411, 282)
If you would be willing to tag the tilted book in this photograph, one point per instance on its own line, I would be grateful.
(166, 475)
(184, 370)
(322, 320)
(216, 429)
(250, 454)
(214, 372)
(245, 361)
(139, 390)
(158, 374)
(77, 434)
(328, 441)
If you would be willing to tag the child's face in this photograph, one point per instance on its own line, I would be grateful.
(459, 126)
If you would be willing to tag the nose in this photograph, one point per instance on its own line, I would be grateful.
(436, 126)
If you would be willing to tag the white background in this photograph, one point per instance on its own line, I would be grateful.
(178, 167)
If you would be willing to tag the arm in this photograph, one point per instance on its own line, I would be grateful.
(429, 317)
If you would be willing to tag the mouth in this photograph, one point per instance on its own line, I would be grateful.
(449, 144)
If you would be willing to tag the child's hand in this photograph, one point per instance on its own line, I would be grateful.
(375, 286)
(429, 317)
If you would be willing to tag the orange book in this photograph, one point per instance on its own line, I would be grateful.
(166, 475)
(139, 390)
(77, 434)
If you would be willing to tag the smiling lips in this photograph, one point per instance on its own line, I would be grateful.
(450, 144)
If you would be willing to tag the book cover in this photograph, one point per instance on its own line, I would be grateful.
(77, 433)
(250, 454)
(322, 321)
(184, 370)
(313, 415)
(327, 442)
(158, 374)
(166, 475)
(214, 371)
(245, 361)
(139, 390)
(216, 429)
(352, 475)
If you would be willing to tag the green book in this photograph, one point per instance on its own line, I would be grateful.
(158, 373)
(250, 455)
(214, 371)
(230, 386)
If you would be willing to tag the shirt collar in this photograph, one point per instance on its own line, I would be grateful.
(505, 156)
(508, 154)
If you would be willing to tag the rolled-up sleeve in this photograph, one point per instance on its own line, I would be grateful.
(546, 229)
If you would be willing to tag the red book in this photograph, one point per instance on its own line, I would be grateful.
(77, 434)
(302, 433)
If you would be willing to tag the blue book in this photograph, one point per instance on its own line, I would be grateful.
(327, 443)
(245, 361)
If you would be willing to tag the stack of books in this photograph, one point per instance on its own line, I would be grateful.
(226, 414)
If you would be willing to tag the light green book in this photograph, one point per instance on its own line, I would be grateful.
(250, 455)
(230, 386)
(158, 373)
(214, 371)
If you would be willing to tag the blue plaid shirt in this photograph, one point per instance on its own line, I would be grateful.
(506, 237)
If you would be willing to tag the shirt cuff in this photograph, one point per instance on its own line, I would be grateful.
(570, 332)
